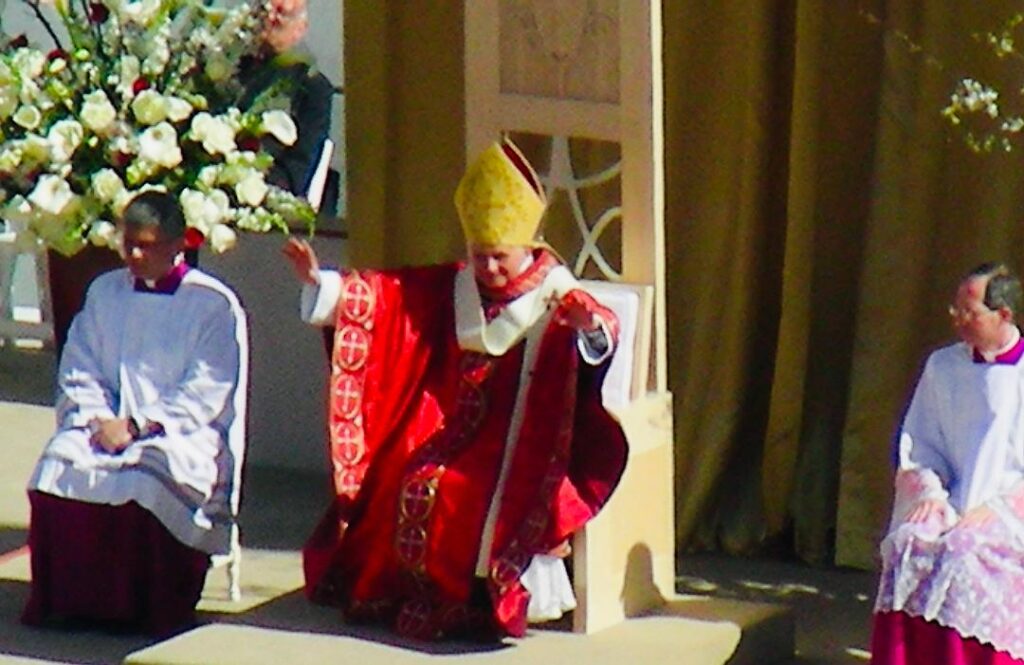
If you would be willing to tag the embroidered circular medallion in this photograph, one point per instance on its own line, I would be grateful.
(507, 570)
(471, 405)
(348, 396)
(414, 619)
(349, 446)
(411, 544)
(357, 298)
(348, 480)
(417, 498)
(351, 347)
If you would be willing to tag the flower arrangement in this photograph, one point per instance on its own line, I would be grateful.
(145, 95)
(975, 106)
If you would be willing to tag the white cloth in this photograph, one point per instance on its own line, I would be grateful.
(180, 360)
(550, 590)
(962, 442)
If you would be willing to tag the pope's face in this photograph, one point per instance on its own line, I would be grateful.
(974, 322)
(148, 253)
(496, 265)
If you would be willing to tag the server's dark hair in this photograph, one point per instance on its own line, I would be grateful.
(153, 208)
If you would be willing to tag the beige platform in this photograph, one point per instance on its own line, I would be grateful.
(275, 624)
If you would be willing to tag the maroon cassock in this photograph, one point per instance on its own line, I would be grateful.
(114, 566)
(418, 430)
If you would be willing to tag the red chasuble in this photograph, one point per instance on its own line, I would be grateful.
(438, 509)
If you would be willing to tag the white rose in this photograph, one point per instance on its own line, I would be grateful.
(252, 189)
(52, 194)
(159, 56)
(122, 145)
(280, 125)
(106, 185)
(29, 62)
(192, 206)
(222, 238)
(121, 201)
(35, 149)
(219, 200)
(178, 109)
(28, 116)
(233, 117)
(97, 113)
(152, 187)
(8, 101)
(208, 175)
(130, 71)
(18, 211)
(149, 107)
(159, 145)
(140, 12)
(204, 211)
(65, 136)
(102, 233)
(10, 157)
(216, 135)
(218, 68)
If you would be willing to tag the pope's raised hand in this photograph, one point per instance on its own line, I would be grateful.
(302, 257)
(574, 311)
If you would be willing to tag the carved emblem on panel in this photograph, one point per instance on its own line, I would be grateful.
(583, 221)
(566, 49)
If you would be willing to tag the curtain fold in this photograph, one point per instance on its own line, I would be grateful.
(819, 213)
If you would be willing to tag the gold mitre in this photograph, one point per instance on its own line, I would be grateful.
(500, 199)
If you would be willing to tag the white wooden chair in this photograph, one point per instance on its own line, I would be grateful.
(232, 561)
(17, 325)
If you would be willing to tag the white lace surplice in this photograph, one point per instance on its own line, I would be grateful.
(963, 442)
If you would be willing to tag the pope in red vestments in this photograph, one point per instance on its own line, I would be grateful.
(466, 426)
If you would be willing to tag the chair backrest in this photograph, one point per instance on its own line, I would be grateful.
(318, 181)
(31, 323)
(632, 303)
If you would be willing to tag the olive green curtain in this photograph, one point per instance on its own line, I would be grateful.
(819, 213)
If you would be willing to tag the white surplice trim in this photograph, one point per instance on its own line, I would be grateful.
(507, 329)
(587, 352)
(319, 302)
(515, 427)
(550, 590)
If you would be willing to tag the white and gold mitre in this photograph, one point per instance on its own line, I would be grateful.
(500, 199)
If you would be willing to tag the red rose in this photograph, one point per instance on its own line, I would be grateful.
(140, 84)
(249, 142)
(193, 238)
(98, 12)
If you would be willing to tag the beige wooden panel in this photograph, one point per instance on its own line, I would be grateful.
(568, 72)
(565, 49)
(624, 560)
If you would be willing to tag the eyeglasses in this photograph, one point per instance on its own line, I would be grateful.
(964, 314)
